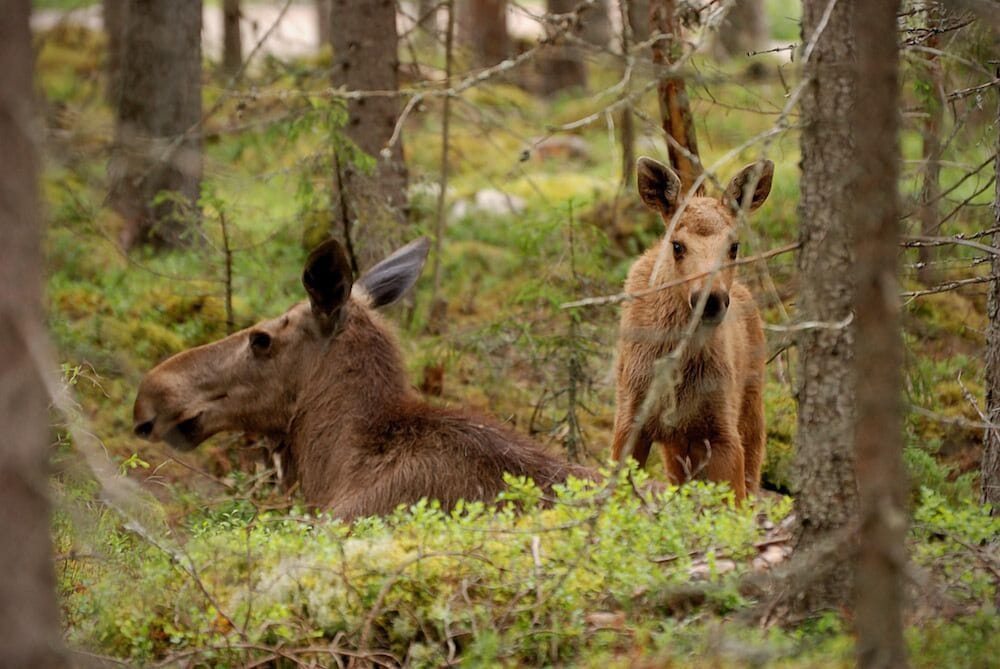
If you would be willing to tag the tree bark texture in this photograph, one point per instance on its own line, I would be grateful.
(638, 19)
(597, 23)
(157, 138)
(825, 488)
(990, 482)
(562, 64)
(744, 29)
(29, 617)
(675, 109)
(482, 29)
(232, 42)
(365, 58)
(875, 209)
(113, 16)
(324, 21)
(931, 83)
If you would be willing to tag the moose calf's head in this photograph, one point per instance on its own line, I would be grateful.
(704, 239)
(252, 380)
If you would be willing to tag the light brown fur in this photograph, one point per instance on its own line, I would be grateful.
(332, 388)
(712, 424)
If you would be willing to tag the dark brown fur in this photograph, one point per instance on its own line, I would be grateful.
(332, 387)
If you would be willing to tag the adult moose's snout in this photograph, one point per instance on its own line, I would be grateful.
(144, 429)
(716, 304)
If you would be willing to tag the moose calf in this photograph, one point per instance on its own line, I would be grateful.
(327, 380)
(708, 416)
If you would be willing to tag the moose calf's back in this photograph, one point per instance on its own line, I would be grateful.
(691, 355)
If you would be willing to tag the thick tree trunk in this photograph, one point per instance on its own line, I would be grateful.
(29, 617)
(232, 43)
(743, 29)
(365, 59)
(990, 483)
(482, 28)
(881, 563)
(562, 63)
(157, 139)
(825, 488)
(675, 110)
(324, 21)
(113, 16)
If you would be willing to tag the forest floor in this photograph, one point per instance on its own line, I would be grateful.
(201, 556)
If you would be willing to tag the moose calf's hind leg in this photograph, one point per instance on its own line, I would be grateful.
(726, 463)
(754, 439)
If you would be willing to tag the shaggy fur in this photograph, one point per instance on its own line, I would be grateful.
(327, 380)
(710, 420)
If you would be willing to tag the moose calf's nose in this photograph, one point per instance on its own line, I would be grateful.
(716, 304)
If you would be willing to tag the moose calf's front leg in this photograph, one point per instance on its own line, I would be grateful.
(625, 428)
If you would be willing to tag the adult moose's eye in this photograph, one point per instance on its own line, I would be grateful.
(678, 250)
(260, 343)
(733, 250)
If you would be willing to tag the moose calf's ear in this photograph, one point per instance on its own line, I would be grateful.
(327, 278)
(389, 280)
(658, 185)
(736, 192)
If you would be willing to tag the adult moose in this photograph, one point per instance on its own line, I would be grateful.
(707, 408)
(327, 380)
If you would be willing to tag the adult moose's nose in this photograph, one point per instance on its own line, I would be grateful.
(144, 429)
(716, 303)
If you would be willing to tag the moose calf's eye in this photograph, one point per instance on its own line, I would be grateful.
(733, 250)
(260, 342)
(678, 250)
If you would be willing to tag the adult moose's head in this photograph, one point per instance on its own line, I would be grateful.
(327, 381)
(254, 380)
(705, 236)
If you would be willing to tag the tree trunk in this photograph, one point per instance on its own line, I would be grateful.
(597, 23)
(675, 110)
(881, 563)
(562, 63)
(365, 59)
(29, 616)
(930, 191)
(744, 29)
(626, 120)
(990, 483)
(232, 43)
(482, 28)
(324, 21)
(113, 16)
(157, 138)
(825, 488)
(638, 19)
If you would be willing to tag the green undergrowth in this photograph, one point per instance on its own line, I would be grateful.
(599, 578)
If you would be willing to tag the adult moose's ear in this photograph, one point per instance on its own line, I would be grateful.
(737, 191)
(327, 278)
(389, 280)
(659, 186)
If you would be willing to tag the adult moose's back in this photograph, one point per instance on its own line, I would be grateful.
(327, 380)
